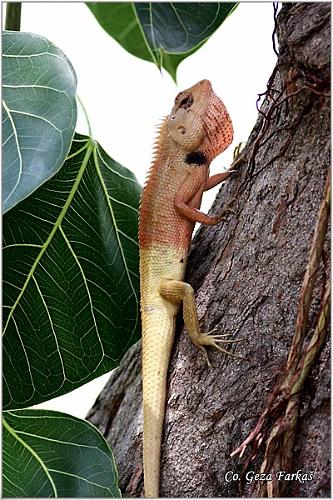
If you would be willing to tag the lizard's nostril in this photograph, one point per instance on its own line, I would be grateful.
(182, 130)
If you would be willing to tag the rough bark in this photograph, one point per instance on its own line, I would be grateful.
(248, 274)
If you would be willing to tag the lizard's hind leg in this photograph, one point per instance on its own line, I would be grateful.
(178, 291)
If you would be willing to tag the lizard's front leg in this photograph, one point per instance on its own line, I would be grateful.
(188, 198)
(187, 202)
(178, 292)
(216, 179)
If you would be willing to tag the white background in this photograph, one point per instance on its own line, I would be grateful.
(125, 97)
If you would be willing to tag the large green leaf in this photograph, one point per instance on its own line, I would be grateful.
(51, 454)
(162, 32)
(39, 113)
(70, 270)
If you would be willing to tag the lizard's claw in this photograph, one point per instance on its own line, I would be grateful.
(226, 211)
(207, 339)
(232, 173)
(237, 150)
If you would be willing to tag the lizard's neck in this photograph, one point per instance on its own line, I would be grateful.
(160, 225)
(164, 150)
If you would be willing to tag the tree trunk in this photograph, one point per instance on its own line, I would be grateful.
(248, 275)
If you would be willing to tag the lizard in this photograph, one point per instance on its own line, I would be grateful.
(197, 130)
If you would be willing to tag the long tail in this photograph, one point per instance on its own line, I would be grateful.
(157, 340)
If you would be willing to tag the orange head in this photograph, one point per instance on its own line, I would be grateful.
(199, 121)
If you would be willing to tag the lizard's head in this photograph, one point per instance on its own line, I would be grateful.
(199, 121)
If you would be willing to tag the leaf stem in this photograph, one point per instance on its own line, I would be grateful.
(86, 116)
(13, 16)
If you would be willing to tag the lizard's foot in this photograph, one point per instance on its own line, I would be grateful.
(227, 210)
(202, 340)
(237, 150)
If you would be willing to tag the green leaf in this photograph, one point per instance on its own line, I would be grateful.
(51, 454)
(161, 32)
(39, 113)
(70, 271)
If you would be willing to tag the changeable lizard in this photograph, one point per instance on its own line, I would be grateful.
(196, 131)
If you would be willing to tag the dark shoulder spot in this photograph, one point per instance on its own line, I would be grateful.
(197, 157)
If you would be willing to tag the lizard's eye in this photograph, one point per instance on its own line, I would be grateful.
(186, 102)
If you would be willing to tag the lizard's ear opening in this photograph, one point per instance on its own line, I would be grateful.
(185, 126)
(186, 129)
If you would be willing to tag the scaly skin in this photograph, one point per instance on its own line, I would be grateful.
(196, 131)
